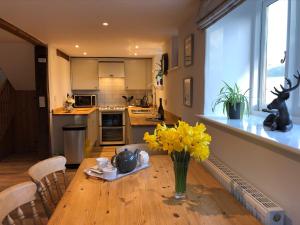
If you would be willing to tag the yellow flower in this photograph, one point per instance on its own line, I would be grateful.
(181, 137)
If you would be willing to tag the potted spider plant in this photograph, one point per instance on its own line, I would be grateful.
(234, 101)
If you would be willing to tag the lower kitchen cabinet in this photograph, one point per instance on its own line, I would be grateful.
(92, 129)
(58, 121)
(135, 134)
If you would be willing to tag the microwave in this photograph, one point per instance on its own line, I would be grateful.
(84, 101)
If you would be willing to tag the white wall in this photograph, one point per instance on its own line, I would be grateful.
(228, 52)
(173, 82)
(17, 63)
(59, 78)
(59, 85)
(275, 174)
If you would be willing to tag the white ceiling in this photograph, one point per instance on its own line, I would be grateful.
(64, 23)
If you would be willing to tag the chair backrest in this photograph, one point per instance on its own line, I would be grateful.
(16, 196)
(141, 146)
(42, 173)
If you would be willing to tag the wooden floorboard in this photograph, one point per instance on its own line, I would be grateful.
(13, 169)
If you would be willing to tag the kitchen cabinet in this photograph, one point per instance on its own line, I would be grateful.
(89, 119)
(111, 69)
(84, 74)
(138, 74)
(92, 129)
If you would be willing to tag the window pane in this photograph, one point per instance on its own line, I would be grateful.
(276, 36)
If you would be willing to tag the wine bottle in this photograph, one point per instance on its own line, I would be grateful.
(160, 112)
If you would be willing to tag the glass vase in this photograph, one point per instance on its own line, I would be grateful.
(181, 162)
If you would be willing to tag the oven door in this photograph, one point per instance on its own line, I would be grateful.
(112, 119)
(112, 135)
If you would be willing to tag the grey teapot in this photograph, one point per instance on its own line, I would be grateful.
(126, 161)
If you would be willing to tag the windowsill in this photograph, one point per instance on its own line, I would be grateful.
(251, 128)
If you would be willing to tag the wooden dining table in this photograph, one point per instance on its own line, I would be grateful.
(147, 198)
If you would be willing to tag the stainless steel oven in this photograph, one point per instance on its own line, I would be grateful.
(112, 127)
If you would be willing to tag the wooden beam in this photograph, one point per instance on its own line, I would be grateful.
(62, 54)
(20, 33)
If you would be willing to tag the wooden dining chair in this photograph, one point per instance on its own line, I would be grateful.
(15, 197)
(141, 146)
(45, 175)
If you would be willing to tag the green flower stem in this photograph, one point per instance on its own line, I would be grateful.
(181, 162)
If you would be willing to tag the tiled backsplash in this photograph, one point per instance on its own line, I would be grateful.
(112, 90)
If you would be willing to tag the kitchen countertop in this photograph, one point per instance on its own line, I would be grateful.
(76, 111)
(141, 119)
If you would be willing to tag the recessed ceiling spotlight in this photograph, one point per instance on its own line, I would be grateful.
(136, 46)
(84, 53)
(135, 54)
(76, 46)
(105, 24)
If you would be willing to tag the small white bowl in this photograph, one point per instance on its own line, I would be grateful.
(109, 172)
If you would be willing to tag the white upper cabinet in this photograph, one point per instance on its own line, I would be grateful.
(111, 69)
(84, 74)
(138, 74)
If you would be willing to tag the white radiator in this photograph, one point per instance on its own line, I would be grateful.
(259, 205)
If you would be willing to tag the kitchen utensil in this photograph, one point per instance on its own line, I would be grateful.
(144, 102)
(128, 99)
(138, 102)
(125, 161)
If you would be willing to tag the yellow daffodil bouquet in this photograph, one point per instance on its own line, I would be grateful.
(181, 142)
(181, 138)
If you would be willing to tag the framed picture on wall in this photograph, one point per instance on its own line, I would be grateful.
(188, 92)
(189, 50)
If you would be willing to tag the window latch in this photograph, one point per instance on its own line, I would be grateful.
(283, 60)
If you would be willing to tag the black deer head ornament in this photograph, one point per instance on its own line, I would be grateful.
(279, 118)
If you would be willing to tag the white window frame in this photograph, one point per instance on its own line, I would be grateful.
(259, 55)
(262, 79)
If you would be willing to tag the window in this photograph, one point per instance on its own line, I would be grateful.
(257, 46)
(274, 48)
(228, 53)
(278, 50)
